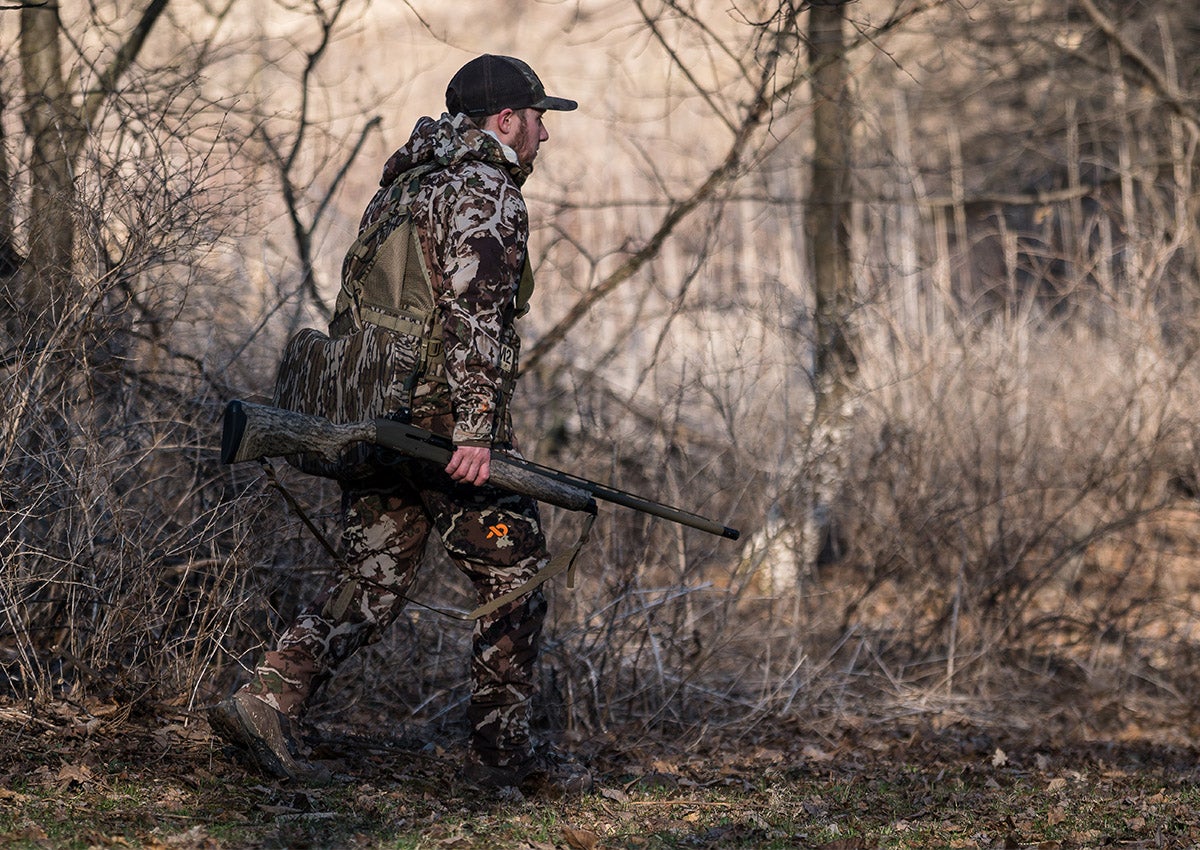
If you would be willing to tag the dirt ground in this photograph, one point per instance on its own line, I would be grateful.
(75, 776)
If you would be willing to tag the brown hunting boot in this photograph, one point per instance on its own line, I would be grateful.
(260, 738)
(548, 770)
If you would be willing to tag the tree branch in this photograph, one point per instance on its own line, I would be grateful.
(764, 99)
(372, 124)
(678, 62)
(1155, 76)
(107, 84)
(678, 212)
(302, 232)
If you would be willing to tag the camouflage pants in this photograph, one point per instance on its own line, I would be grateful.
(493, 536)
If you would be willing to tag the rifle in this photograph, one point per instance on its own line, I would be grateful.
(255, 431)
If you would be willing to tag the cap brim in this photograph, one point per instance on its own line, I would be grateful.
(558, 103)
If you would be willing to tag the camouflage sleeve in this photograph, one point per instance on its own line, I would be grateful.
(483, 250)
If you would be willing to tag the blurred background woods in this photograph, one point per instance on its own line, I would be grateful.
(904, 289)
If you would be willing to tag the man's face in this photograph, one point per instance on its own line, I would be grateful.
(523, 131)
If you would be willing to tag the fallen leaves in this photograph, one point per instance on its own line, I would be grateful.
(74, 775)
(615, 794)
(13, 796)
(580, 839)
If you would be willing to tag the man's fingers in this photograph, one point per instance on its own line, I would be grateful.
(470, 464)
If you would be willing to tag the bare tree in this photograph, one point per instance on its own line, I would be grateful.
(58, 122)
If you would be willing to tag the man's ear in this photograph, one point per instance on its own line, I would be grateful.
(504, 121)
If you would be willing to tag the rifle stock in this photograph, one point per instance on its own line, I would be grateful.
(254, 431)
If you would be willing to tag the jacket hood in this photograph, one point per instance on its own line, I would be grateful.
(448, 141)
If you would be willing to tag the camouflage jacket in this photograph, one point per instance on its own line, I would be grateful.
(473, 228)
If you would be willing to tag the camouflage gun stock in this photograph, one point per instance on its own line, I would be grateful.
(255, 431)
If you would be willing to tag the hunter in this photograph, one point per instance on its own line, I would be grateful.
(457, 184)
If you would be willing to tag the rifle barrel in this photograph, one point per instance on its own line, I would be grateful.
(629, 500)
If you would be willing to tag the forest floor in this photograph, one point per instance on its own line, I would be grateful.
(93, 776)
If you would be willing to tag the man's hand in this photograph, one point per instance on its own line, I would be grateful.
(470, 464)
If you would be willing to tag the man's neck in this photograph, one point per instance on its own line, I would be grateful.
(509, 153)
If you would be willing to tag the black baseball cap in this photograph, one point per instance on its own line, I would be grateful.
(489, 84)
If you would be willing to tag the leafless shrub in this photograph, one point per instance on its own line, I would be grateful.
(1017, 514)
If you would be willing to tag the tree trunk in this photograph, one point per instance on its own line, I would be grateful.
(54, 132)
(9, 261)
(57, 124)
(827, 230)
(828, 212)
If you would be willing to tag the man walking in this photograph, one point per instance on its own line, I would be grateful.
(456, 184)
